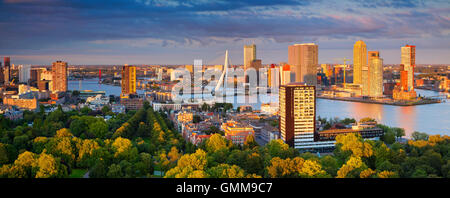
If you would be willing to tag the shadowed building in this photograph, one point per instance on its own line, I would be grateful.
(6, 70)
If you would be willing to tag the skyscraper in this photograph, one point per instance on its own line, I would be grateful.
(59, 76)
(24, 73)
(7, 69)
(359, 61)
(249, 55)
(285, 74)
(409, 63)
(375, 74)
(303, 58)
(297, 114)
(128, 81)
(273, 76)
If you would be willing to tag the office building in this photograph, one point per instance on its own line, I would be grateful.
(359, 61)
(303, 58)
(405, 89)
(297, 114)
(249, 55)
(128, 81)
(408, 60)
(59, 76)
(375, 74)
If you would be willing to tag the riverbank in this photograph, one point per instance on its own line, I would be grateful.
(384, 102)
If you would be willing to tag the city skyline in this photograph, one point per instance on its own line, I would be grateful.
(176, 32)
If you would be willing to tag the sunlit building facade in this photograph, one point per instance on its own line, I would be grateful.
(285, 74)
(297, 114)
(408, 61)
(249, 55)
(375, 77)
(303, 58)
(59, 76)
(128, 80)
(359, 61)
(237, 132)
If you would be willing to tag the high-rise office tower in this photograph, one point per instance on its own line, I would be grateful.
(2, 77)
(375, 74)
(297, 113)
(285, 74)
(59, 76)
(128, 80)
(24, 73)
(7, 69)
(359, 61)
(409, 63)
(303, 58)
(249, 55)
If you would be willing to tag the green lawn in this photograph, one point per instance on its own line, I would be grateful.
(77, 173)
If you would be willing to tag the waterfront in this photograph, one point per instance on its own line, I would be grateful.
(430, 118)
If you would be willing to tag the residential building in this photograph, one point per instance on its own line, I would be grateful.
(237, 132)
(297, 114)
(59, 76)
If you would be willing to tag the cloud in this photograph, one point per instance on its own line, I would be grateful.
(78, 25)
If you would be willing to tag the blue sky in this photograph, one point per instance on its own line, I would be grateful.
(177, 32)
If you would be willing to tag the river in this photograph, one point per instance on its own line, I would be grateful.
(429, 118)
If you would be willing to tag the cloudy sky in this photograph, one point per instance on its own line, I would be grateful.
(179, 31)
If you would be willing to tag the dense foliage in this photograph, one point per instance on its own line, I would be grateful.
(145, 143)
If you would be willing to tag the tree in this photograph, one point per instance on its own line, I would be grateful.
(189, 166)
(389, 137)
(64, 132)
(330, 165)
(85, 110)
(352, 168)
(105, 109)
(121, 145)
(115, 171)
(226, 171)
(250, 142)
(277, 148)
(98, 129)
(295, 167)
(3, 154)
(216, 142)
(399, 132)
(48, 166)
(419, 136)
(367, 119)
(353, 142)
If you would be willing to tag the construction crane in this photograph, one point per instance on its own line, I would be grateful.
(344, 66)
